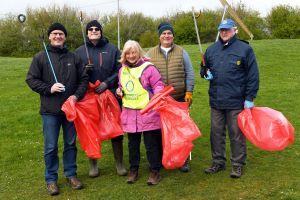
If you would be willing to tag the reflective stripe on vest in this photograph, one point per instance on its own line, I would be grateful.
(135, 96)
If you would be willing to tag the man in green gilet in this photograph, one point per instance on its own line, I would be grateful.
(175, 67)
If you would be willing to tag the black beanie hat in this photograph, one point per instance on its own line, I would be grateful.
(164, 26)
(57, 26)
(93, 23)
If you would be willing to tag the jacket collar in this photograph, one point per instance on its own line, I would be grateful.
(137, 64)
(57, 49)
(102, 42)
(227, 44)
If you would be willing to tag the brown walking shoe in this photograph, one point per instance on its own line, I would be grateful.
(132, 177)
(154, 178)
(236, 171)
(75, 183)
(215, 168)
(52, 188)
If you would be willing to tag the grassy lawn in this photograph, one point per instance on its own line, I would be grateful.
(269, 175)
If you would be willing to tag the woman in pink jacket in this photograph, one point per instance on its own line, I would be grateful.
(139, 80)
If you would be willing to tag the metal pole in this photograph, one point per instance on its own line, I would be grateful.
(118, 24)
(224, 12)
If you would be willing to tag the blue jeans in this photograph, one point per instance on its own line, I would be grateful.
(51, 128)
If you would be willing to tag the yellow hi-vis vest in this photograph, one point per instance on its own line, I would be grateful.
(134, 95)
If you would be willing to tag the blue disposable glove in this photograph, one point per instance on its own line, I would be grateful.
(208, 76)
(248, 104)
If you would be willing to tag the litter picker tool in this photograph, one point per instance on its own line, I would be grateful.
(198, 37)
(223, 16)
(84, 39)
(204, 70)
(236, 18)
(49, 59)
(22, 19)
(89, 67)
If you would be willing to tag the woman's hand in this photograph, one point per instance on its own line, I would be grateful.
(119, 92)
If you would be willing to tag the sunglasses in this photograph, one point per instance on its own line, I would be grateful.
(94, 29)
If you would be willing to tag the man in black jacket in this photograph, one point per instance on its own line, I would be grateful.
(105, 66)
(55, 84)
(232, 71)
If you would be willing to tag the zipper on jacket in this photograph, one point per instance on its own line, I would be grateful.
(167, 71)
(100, 59)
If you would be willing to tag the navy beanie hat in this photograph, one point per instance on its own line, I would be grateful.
(57, 26)
(93, 23)
(164, 26)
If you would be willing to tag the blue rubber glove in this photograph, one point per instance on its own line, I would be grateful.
(248, 104)
(208, 76)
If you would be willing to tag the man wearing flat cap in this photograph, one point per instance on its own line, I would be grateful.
(56, 75)
(175, 67)
(233, 76)
(104, 58)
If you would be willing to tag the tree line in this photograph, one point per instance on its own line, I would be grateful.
(24, 39)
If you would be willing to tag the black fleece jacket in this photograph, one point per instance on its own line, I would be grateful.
(104, 56)
(69, 72)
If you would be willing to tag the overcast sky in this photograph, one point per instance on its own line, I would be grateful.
(154, 8)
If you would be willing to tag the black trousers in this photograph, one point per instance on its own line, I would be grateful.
(153, 144)
(117, 139)
(219, 120)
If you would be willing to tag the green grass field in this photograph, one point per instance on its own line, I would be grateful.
(268, 175)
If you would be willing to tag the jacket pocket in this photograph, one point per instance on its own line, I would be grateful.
(124, 116)
(236, 61)
(149, 118)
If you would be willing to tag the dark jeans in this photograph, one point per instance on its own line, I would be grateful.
(153, 144)
(219, 120)
(51, 127)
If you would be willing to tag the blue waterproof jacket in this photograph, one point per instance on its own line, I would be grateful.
(235, 74)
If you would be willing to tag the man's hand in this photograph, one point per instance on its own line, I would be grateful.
(188, 97)
(101, 88)
(248, 104)
(57, 87)
(74, 98)
(89, 68)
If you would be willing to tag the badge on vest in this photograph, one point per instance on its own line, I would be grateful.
(129, 86)
(238, 63)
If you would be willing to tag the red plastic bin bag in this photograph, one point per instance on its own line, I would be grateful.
(178, 129)
(85, 115)
(266, 128)
(110, 112)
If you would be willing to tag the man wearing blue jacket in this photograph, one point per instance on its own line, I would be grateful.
(105, 61)
(232, 71)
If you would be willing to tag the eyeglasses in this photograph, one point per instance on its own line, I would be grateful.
(94, 29)
(59, 34)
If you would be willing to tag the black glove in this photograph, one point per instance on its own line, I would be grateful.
(203, 70)
(89, 68)
(101, 88)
